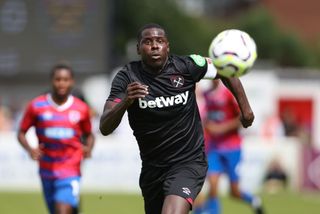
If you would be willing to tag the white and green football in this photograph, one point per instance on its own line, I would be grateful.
(233, 53)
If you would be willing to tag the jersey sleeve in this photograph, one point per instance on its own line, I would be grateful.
(119, 86)
(28, 119)
(201, 67)
(86, 122)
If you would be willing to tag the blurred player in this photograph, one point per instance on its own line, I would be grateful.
(62, 121)
(159, 94)
(222, 124)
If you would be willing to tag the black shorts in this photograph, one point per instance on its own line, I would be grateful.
(182, 179)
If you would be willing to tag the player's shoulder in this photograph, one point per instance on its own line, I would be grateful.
(80, 103)
(224, 90)
(39, 101)
(178, 59)
(132, 66)
(128, 72)
(194, 60)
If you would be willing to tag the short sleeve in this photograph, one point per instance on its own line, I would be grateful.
(28, 119)
(86, 122)
(200, 67)
(119, 86)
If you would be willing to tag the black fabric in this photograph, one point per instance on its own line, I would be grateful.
(166, 123)
(182, 179)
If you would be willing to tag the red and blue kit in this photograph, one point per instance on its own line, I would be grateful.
(59, 129)
(221, 106)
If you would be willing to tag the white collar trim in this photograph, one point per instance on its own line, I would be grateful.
(62, 107)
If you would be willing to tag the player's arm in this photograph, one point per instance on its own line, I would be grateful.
(113, 111)
(28, 121)
(87, 137)
(88, 145)
(35, 153)
(235, 86)
(203, 68)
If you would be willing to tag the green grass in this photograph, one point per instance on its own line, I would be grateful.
(281, 203)
(115, 203)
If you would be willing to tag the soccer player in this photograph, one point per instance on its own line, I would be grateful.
(63, 128)
(223, 143)
(158, 92)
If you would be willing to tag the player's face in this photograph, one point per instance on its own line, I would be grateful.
(153, 48)
(62, 82)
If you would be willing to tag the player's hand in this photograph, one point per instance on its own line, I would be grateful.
(136, 90)
(36, 153)
(87, 151)
(247, 119)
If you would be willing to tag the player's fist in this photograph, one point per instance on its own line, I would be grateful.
(136, 90)
(87, 151)
(247, 119)
(35, 153)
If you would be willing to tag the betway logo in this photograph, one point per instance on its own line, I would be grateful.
(161, 102)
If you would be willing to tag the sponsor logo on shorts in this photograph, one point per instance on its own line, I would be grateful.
(186, 190)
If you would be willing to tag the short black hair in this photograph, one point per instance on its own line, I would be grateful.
(60, 66)
(148, 26)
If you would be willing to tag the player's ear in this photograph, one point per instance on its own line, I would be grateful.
(168, 45)
(138, 49)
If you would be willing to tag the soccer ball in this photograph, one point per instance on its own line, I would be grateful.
(233, 53)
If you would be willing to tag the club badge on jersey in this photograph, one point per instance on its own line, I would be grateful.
(74, 116)
(177, 81)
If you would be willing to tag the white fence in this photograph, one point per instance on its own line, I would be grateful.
(115, 165)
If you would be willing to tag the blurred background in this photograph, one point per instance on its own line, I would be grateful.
(98, 36)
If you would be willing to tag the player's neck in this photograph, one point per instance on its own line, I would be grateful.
(153, 70)
(58, 99)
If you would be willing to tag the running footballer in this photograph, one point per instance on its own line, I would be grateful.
(158, 92)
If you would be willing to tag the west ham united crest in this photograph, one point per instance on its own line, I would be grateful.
(177, 81)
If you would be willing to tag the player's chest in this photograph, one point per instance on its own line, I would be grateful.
(51, 116)
(167, 83)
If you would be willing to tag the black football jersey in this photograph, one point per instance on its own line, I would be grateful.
(166, 123)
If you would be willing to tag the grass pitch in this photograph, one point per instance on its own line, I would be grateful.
(100, 203)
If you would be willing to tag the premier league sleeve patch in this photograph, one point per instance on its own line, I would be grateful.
(199, 60)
